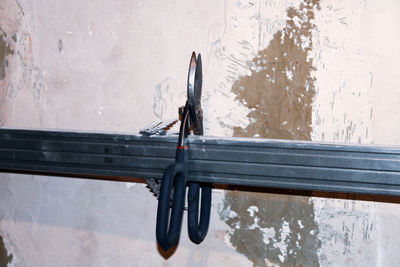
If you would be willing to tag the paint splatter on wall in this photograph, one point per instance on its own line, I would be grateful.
(278, 92)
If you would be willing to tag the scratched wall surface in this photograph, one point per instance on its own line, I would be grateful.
(322, 70)
(278, 91)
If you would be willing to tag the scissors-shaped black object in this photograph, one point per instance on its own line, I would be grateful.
(169, 219)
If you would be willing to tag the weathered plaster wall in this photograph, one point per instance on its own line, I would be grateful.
(303, 69)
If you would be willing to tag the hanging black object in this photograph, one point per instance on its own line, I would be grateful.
(169, 219)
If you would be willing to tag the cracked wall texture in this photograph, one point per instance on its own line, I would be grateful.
(295, 69)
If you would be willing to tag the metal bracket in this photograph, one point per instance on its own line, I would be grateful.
(233, 161)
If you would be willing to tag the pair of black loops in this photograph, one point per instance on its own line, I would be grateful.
(169, 223)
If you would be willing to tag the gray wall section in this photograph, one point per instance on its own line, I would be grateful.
(300, 69)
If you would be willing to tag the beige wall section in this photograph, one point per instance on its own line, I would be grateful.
(382, 44)
(357, 80)
(117, 65)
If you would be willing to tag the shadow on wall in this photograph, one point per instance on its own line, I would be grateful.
(277, 229)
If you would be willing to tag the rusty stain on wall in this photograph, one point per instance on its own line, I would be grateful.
(276, 229)
(5, 258)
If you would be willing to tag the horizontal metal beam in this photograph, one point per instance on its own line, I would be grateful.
(233, 161)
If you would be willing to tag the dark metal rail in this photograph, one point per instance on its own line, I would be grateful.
(234, 161)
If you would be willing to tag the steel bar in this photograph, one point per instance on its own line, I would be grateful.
(233, 161)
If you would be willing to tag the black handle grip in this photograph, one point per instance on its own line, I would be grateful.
(174, 177)
(198, 230)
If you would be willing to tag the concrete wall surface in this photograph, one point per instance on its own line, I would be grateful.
(320, 70)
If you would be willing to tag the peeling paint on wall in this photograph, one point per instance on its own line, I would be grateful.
(280, 88)
(273, 229)
(279, 93)
(5, 257)
(16, 54)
